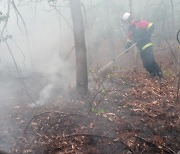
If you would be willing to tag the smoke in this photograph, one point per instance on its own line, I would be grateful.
(45, 94)
(45, 62)
(41, 61)
(50, 42)
(50, 39)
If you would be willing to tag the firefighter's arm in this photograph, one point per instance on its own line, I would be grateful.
(128, 44)
(150, 29)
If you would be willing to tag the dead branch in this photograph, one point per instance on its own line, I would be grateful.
(47, 112)
(146, 149)
(6, 21)
(106, 93)
(69, 53)
(19, 74)
(26, 31)
(17, 20)
(63, 17)
(172, 52)
(93, 100)
(161, 147)
(178, 86)
(99, 136)
(21, 51)
(172, 10)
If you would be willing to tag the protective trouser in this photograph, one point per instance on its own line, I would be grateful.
(148, 60)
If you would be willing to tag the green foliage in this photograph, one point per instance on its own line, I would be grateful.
(97, 111)
(167, 74)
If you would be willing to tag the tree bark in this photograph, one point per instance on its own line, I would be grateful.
(80, 47)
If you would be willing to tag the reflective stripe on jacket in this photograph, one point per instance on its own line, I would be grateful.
(146, 46)
(149, 25)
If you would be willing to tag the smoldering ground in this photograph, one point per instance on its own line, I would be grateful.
(40, 73)
(45, 63)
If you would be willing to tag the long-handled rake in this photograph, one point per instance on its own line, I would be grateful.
(112, 61)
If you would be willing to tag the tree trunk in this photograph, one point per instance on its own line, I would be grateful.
(135, 53)
(130, 6)
(80, 47)
(108, 28)
(173, 18)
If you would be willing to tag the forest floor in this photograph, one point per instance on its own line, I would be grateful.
(124, 112)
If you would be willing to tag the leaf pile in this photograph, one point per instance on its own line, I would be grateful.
(126, 112)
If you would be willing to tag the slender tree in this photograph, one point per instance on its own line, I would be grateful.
(130, 6)
(106, 18)
(173, 19)
(80, 47)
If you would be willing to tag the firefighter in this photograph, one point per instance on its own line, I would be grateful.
(139, 32)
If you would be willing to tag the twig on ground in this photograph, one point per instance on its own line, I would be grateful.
(162, 147)
(99, 136)
(47, 112)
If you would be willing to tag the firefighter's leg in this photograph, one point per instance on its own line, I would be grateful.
(146, 62)
(158, 70)
(155, 69)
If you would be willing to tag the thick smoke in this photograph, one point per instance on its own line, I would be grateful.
(43, 47)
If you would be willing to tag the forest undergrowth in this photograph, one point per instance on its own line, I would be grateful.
(125, 112)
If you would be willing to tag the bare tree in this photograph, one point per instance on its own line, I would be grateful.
(130, 6)
(107, 26)
(173, 19)
(80, 47)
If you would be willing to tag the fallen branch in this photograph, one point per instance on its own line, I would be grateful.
(162, 147)
(99, 136)
(47, 112)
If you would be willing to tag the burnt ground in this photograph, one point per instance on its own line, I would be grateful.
(124, 112)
